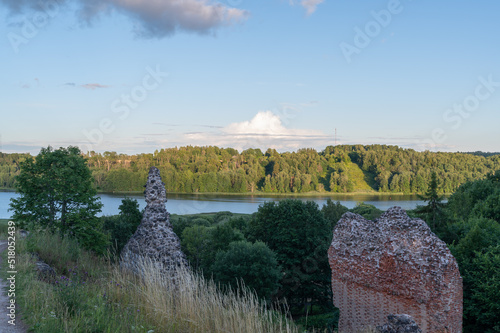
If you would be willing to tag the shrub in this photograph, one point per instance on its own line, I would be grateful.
(254, 264)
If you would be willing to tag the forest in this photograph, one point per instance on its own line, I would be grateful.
(336, 169)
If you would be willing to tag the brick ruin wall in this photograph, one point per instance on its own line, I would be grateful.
(393, 265)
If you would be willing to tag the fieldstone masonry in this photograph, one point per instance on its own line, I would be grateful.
(154, 238)
(399, 324)
(394, 264)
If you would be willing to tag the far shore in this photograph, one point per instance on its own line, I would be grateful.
(265, 194)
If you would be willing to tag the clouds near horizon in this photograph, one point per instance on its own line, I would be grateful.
(93, 86)
(264, 130)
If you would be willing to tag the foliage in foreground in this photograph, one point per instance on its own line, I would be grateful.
(122, 226)
(57, 194)
(91, 295)
(255, 262)
(470, 224)
(299, 235)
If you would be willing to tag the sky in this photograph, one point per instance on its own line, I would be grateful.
(135, 76)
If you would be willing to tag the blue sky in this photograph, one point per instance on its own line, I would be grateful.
(134, 76)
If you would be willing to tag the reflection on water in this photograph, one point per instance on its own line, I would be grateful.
(205, 203)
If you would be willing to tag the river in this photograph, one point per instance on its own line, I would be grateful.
(207, 203)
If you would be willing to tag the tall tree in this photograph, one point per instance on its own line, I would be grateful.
(434, 207)
(299, 235)
(333, 211)
(57, 193)
(121, 227)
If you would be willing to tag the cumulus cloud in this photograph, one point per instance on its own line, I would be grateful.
(264, 130)
(152, 18)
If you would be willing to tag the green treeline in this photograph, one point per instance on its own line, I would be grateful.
(9, 168)
(339, 169)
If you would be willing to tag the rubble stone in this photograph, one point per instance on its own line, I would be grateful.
(394, 264)
(154, 238)
(399, 323)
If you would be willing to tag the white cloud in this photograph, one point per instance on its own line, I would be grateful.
(159, 18)
(310, 5)
(153, 18)
(264, 130)
(264, 122)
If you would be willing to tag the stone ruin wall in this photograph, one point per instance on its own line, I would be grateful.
(154, 238)
(393, 265)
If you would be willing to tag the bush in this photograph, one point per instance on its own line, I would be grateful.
(121, 227)
(222, 217)
(239, 223)
(477, 235)
(369, 212)
(482, 291)
(254, 264)
(326, 322)
(333, 212)
(200, 221)
(201, 244)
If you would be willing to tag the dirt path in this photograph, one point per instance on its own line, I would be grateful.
(5, 327)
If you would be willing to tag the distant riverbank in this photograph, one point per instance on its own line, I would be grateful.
(265, 194)
(190, 203)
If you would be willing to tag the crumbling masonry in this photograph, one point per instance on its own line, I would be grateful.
(154, 239)
(393, 265)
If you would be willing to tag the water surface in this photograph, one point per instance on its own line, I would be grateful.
(207, 203)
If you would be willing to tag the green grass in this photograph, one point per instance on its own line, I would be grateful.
(363, 181)
(4, 227)
(89, 294)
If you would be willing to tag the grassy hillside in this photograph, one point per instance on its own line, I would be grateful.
(363, 181)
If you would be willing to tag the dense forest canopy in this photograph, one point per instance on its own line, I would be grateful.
(339, 169)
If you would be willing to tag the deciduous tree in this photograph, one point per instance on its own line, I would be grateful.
(57, 193)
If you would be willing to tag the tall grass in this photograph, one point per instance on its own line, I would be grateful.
(193, 304)
(3, 228)
(89, 294)
(74, 300)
